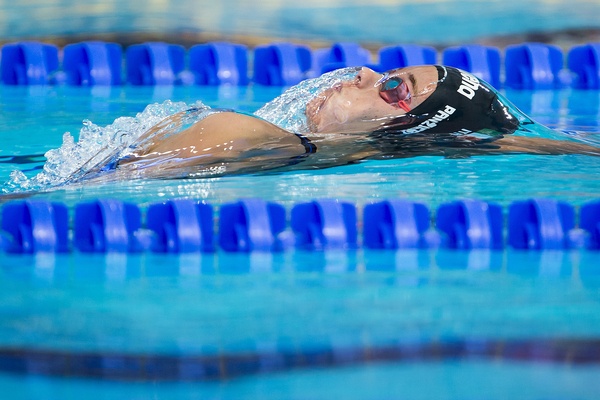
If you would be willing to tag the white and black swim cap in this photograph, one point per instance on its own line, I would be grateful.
(461, 106)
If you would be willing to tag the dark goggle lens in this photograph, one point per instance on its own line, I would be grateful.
(391, 84)
(394, 90)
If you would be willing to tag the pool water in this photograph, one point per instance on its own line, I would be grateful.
(318, 20)
(359, 324)
(42, 115)
(447, 325)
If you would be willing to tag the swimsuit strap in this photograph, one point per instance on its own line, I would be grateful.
(309, 147)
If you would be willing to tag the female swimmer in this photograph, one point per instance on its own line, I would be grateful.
(423, 110)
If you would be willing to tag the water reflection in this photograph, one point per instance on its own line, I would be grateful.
(566, 109)
(583, 108)
(226, 366)
(544, 264)
(579, 265)
(543, 104)
(474, 260)
(221, 316)
(401, 260)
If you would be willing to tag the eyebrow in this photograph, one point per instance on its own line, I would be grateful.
(413, 81)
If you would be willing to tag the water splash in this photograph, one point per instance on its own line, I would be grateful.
(288, 110)
(98, 146)
(95, 147)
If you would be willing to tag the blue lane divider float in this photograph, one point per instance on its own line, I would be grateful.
(541, 224)
(182, 226)
(398, 224)
(391, 57)
(281, 64)
(92, 63)
(35, 226)
(481, 61)
(28, 63)
(107, 226)
(219, 63)
(528, 66)
(155, 63)
(532, 66)
(324, 224)
(584, 61)
(589, 221)
(251, 225)
(471, 224)
(340, 55)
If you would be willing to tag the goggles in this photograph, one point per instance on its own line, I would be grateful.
(394, 91)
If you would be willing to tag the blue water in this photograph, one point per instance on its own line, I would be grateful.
(44, 114)
(440, 22)
(415, 324)
(303, 325)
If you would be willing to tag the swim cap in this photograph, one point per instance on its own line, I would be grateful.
(461, 106)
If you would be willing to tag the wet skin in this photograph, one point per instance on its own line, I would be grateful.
(340, 120)
(364, 104)
(358, 106)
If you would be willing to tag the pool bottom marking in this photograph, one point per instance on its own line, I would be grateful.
(163, 367)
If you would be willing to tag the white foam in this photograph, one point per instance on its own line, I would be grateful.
(288, 110)
(96, 145)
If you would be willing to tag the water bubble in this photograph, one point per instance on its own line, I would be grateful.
(98, 146)
(95, 146)
(288, 110)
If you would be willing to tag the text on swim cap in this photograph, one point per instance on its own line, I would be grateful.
(468, 86)
(432, 122)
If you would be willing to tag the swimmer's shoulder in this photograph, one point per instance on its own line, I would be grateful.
(230, 135)
(233, 120)
(252, 129)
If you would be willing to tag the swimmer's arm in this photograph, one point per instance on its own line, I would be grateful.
(535, 145)
(224, 136)
(510, 144)
(513, 144)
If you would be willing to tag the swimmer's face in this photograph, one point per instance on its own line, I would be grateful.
(371, 100)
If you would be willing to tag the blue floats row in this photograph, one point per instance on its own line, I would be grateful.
(183, 226)
(527, 65)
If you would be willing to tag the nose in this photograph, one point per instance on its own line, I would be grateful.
(367, 78)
